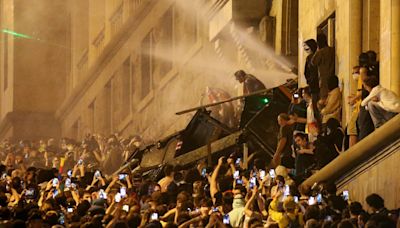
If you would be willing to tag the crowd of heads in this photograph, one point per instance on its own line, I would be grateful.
(234, 192)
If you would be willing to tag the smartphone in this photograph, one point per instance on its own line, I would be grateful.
(272, 173)
(236, 174)
(55, 193)
(122, 176)
(61, 219)
(80, 162)
(287, 190)
(55, 182)
(296, 95)
(125, 208)
(214, 209)
(70, 209)
(319, 198)
(102, 194)
(226, 219)
(73, 185)
(30, 193)
(346, 195)
(328, 218)
(117, 197)
(296, 199)
(122, 191)
(239, 181)
(237, 162)
(203, 172)
(154, 216)
(68, 183)
(69, 173)
(253, 182)
(262, 174)
(311, 200)
(97, 174)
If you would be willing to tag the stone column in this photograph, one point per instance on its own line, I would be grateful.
(348, 47)
(390, 45)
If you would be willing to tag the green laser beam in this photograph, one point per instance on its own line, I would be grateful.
(16, 34)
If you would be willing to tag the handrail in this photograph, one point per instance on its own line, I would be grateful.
(358, 153)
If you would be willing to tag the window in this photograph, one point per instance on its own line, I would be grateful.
(328, 28)
(146, 62)
(126, 88)
(164, 44)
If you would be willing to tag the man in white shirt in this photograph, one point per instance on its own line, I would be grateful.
(382, 103)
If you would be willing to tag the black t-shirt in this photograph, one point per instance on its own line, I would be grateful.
(286, 132)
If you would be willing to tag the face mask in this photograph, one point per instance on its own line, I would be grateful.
(356, 76)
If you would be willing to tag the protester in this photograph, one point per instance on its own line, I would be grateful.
(382, 103)
(324, 60)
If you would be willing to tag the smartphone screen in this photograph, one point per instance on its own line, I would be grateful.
(236, 174)
(262, 174)
(346, 195)
(319, 198)
(311, 200)
(287, 190)
(122, 191)
(97, 174)
(122, 176)
(226, 219)
(55, 182)
(237, 162)
(203, 172)
(154, 216)
(239, 181)
(252, 182)
(296, 199)
(68, 183)
(117, 197)
(272, 173)
(69, 173)
(125, 208)
(70, 209)
(80, 162)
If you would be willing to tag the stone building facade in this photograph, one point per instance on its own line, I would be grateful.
(134, 63)
(34, 63)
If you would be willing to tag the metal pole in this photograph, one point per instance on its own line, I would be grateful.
(224, 101)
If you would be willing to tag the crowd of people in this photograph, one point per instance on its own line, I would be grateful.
(36, 192)
(74, 184)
